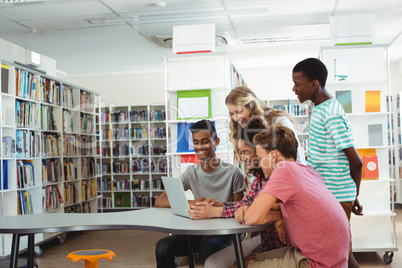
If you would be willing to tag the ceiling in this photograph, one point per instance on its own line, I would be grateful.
(290, 31)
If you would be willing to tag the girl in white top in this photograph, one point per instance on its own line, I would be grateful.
(243, 104)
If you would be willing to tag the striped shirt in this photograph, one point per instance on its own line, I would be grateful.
(329, 134)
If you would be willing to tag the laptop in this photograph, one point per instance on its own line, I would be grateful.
(176, 195)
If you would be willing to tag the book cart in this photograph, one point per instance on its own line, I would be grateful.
(358, 76)
(48, 148)
(196, 86)
(133, 156)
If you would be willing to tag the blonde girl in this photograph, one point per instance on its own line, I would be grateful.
(243, 104)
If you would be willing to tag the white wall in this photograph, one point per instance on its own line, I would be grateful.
(270, 83)
(125, 89)
(396, 77)
(12, 52)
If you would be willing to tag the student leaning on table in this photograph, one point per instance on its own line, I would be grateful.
(259, 241)
(317, 227)
(211, 177)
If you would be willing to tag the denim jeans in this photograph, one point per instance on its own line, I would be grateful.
(176, 245)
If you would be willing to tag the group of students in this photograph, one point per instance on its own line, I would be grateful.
(308, 204)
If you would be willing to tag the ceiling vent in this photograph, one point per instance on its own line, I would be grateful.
(221, 40)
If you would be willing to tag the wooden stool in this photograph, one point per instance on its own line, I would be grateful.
(91, 256)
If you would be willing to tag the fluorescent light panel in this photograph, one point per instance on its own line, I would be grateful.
(194, 14)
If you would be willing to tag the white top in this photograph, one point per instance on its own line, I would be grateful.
(150, 219)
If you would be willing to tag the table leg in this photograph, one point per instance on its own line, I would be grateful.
(14, 251)
(191, 263)
(238, 251)
(31, 246)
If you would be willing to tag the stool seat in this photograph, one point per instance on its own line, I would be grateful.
(91, 256)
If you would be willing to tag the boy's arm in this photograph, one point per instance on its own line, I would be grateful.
(259, 212)
(162, 201)
(355, 165)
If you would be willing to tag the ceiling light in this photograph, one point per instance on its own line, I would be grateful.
(190, 15)
(12, 1)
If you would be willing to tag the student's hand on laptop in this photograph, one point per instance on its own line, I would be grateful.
(194, 202)
(239, 214)
(213, 202)
(204, 210)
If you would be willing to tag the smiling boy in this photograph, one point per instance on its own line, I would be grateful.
(211, 177)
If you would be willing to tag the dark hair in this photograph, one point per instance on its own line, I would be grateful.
(253, 126)
(280, 138)
(312, 69)
(204, 125)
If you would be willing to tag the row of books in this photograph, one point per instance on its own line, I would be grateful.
(29, 143)
(68, 97)
(47, 119)
(121, 185)
(78, 208)
(158, 115)
(70, 169)
(143, 166)
(140, 185)
(104, 185)
(303, 127)
(51, 198)
(67, 121)
(87, 101)
(51, 171)
(51, 145)
(118, 167)
(8, 144)
(25, 174)
(142, 201)
(24, 203)
(87, 124)
(28, 85)
(88, 190)
(141, 150)
(87, 168)
(88, 144)
(70, 194)
(28, 114)
(294, 109)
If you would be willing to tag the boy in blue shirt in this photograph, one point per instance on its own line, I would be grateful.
(331, 150)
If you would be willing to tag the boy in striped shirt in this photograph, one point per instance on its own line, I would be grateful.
(331, 150)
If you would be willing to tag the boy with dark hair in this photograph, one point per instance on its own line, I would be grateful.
(331, 150)
(316, 240)
(211, 177)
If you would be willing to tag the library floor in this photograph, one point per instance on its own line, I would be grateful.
(136, 249)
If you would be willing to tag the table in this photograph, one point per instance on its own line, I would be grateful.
(150, 219)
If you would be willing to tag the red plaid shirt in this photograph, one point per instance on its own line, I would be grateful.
(269, 237)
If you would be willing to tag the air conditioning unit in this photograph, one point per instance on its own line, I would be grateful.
(166, 41)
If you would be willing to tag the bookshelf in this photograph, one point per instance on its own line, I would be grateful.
(398, 146)
(48, 135)
(133, 156)
(300, 113)
(358, 76)
(199, 81)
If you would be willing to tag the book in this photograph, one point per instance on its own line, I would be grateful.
(375, 137)
(373, 101)
(345, 99)
(370, 167)
(4, 78)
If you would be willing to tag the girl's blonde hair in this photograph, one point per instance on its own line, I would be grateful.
(243, 96)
